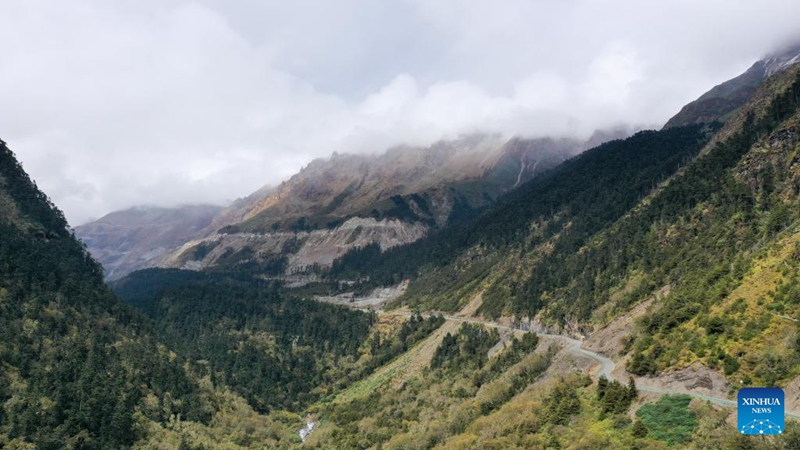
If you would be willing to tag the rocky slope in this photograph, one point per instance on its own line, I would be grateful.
(349, 201)
(292, 251)
(418, 183)
(331, 206)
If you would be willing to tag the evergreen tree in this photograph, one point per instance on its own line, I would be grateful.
(639, 429)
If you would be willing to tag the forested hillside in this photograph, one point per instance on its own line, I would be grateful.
(276, 351)
(699, 223)
(75, 364)
(573, 201)
(585, 242)
(80, 369)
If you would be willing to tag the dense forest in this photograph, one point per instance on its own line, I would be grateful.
(276, 351)
(635, 243)
(74, 361)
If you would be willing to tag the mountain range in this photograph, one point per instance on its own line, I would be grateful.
(398, 196)
(331, 206)
(543, 295)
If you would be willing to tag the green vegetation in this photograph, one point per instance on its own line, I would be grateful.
(355, 262)
(459, 387)
(562, 404)
(712, 216)
(510, 355)
(385, 348)
(274, 350)
(74, 362)
(669, 419)
(227, 358)
(467, 350)
(614, 397)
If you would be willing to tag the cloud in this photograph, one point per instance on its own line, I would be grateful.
(113, 104)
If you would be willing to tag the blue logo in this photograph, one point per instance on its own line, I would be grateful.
(761, 411)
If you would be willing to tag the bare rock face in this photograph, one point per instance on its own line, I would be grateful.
(324, 246)
(696, 378)
(409, 183)
(302, 249)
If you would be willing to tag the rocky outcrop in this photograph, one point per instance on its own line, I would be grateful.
(323, 246)
(303, 250)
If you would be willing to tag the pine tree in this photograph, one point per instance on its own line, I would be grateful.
(602, 385)
(633, 392)
(639, 429)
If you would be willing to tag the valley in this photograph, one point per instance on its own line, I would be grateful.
(483, 291)
(612, 333)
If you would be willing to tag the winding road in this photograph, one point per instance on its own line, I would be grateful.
(607, 366)
(574, 346)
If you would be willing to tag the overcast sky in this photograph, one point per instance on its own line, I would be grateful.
(115, 103)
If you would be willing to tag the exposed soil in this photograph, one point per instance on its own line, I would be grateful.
(610, 340)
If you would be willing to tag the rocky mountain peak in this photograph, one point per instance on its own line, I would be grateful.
(781, 60)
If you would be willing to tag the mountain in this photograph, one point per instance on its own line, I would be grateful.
(325, 192)
(198, 364)
(585, 308)
(560, 209)
(723, 100)
(351, 201)
(76, 365)
(128, 240)
(673, 254)
(331, 206)
(621, 221)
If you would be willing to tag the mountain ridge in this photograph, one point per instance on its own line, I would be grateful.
(426, 187)
(719, 103)
(695, 280)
